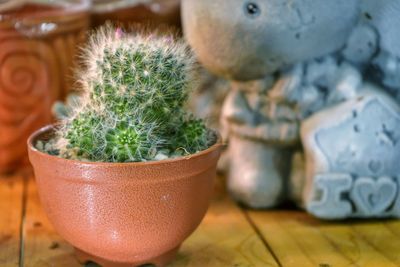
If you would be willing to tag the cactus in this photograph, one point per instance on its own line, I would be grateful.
(134, 90)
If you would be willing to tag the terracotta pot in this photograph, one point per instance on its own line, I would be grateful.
(124, 214)
(127, 12)
(37, 47)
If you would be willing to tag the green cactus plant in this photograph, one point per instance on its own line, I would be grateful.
(132, 106)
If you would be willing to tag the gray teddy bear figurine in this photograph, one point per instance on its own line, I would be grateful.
(312, 111)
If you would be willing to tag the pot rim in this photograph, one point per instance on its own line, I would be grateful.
(48, 128)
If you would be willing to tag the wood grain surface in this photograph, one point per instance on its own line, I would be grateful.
(228, 236)
(11, 206)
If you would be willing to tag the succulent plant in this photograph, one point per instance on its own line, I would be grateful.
(132, 106)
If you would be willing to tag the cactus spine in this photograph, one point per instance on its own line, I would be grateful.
(132, 105)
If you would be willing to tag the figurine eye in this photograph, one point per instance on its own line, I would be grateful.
(252, 9)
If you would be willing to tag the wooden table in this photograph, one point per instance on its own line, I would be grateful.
(228, 236)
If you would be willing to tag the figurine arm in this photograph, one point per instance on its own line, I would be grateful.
(235, 109)
(254, 115)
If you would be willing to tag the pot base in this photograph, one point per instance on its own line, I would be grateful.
(159, 261)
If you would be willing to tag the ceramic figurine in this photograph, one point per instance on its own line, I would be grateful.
(300, 76)
(246, 43)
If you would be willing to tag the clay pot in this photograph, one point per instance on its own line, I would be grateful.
(38, 44)
(127, 12)
(124, 214)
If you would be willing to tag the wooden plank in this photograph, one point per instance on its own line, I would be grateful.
(11, 198)
(225, 238)
(354, 246)
(43, 247)
(383, 239)
(296, 237)
(286, 249)
(394, 227)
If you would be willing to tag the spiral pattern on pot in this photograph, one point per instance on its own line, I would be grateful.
(33, 74)
(27, 75)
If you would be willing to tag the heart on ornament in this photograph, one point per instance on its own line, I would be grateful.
(373, 197)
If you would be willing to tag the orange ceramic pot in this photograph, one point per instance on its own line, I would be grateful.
(124, 214)
(38, 43)
(126, 12)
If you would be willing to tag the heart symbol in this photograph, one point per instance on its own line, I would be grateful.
(373, 197)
